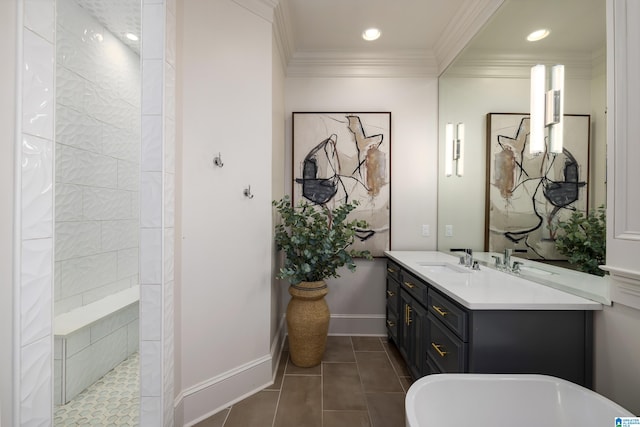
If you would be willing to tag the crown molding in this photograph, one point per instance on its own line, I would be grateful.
(504, 65)
(262, 8)
(356, 64)
(283, 32)
(463, 26)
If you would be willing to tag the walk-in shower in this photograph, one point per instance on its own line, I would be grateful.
(97, 169)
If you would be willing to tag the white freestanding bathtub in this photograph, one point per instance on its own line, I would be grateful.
(484, 400)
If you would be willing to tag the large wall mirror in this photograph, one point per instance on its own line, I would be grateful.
(492, 75)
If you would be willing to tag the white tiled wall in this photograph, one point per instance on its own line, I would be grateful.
(97, 160)
(34, 330)
(35, 219)
(156, 215)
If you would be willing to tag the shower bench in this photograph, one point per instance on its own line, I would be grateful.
(93, 339)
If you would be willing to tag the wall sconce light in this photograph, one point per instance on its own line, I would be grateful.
(454, 149)
(547, 109)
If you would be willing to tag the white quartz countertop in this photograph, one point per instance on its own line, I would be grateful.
(486, 289)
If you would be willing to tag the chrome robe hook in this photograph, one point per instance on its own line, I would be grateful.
(218, 161)
(247, 192)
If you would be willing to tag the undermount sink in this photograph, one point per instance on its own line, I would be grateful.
(443, 267)
(525, 269)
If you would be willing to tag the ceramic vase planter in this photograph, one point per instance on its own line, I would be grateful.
(307, 323)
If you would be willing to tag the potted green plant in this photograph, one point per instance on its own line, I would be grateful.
(582, 238)
(316, 242)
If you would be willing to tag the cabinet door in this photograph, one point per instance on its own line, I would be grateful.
(393, 326)
(414, 335)
(419, 336)
(405, 327)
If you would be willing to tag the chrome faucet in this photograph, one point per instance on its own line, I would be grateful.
(499, 264)
(516, 267)
(506, 261)
(467, 258)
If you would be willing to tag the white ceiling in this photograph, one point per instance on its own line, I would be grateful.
(337, 25)
(500, 49)
(330, 30)
(577, 26)
(419, 37)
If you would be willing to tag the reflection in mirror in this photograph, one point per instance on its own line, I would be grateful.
(492, 75)
(96, 375)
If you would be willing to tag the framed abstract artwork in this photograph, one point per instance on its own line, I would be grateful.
(342, 157)
(527, 194)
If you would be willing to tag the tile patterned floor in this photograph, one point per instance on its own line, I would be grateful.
(113, 400)
(361, 382)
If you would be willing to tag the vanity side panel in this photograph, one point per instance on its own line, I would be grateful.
(557, 343)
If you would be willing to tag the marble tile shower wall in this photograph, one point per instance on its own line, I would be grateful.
(97, 149)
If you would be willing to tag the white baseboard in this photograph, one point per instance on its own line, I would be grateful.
(355, 324)
(210, 397)
(203, 400)
(276, 346)
(358, 324)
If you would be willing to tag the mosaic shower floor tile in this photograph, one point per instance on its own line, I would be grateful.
(113, 400)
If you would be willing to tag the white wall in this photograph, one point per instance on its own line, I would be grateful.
(97, 160)
(616, 363)
(277, 191)
(357, 300)
(7, 136)
(226, 237)
(461, 200)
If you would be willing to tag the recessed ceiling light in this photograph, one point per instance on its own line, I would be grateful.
(131, 37)
(538, 35)
(371, 34)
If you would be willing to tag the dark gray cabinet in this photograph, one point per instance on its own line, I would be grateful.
(393, 302)
(414, 329)
(436, 334)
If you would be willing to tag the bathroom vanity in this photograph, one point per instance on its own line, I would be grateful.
(447, 318)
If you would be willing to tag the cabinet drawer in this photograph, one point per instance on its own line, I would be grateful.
(392, 324)
(416, 287)
(393, 294)
(448, 312)
(393, 270)
(446, 350)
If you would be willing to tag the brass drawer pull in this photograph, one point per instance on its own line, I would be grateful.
(408, 315)
(391, 293)
(391, 270)
(437, 348)
(409, 285)
(439, 310)
(390, 324)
